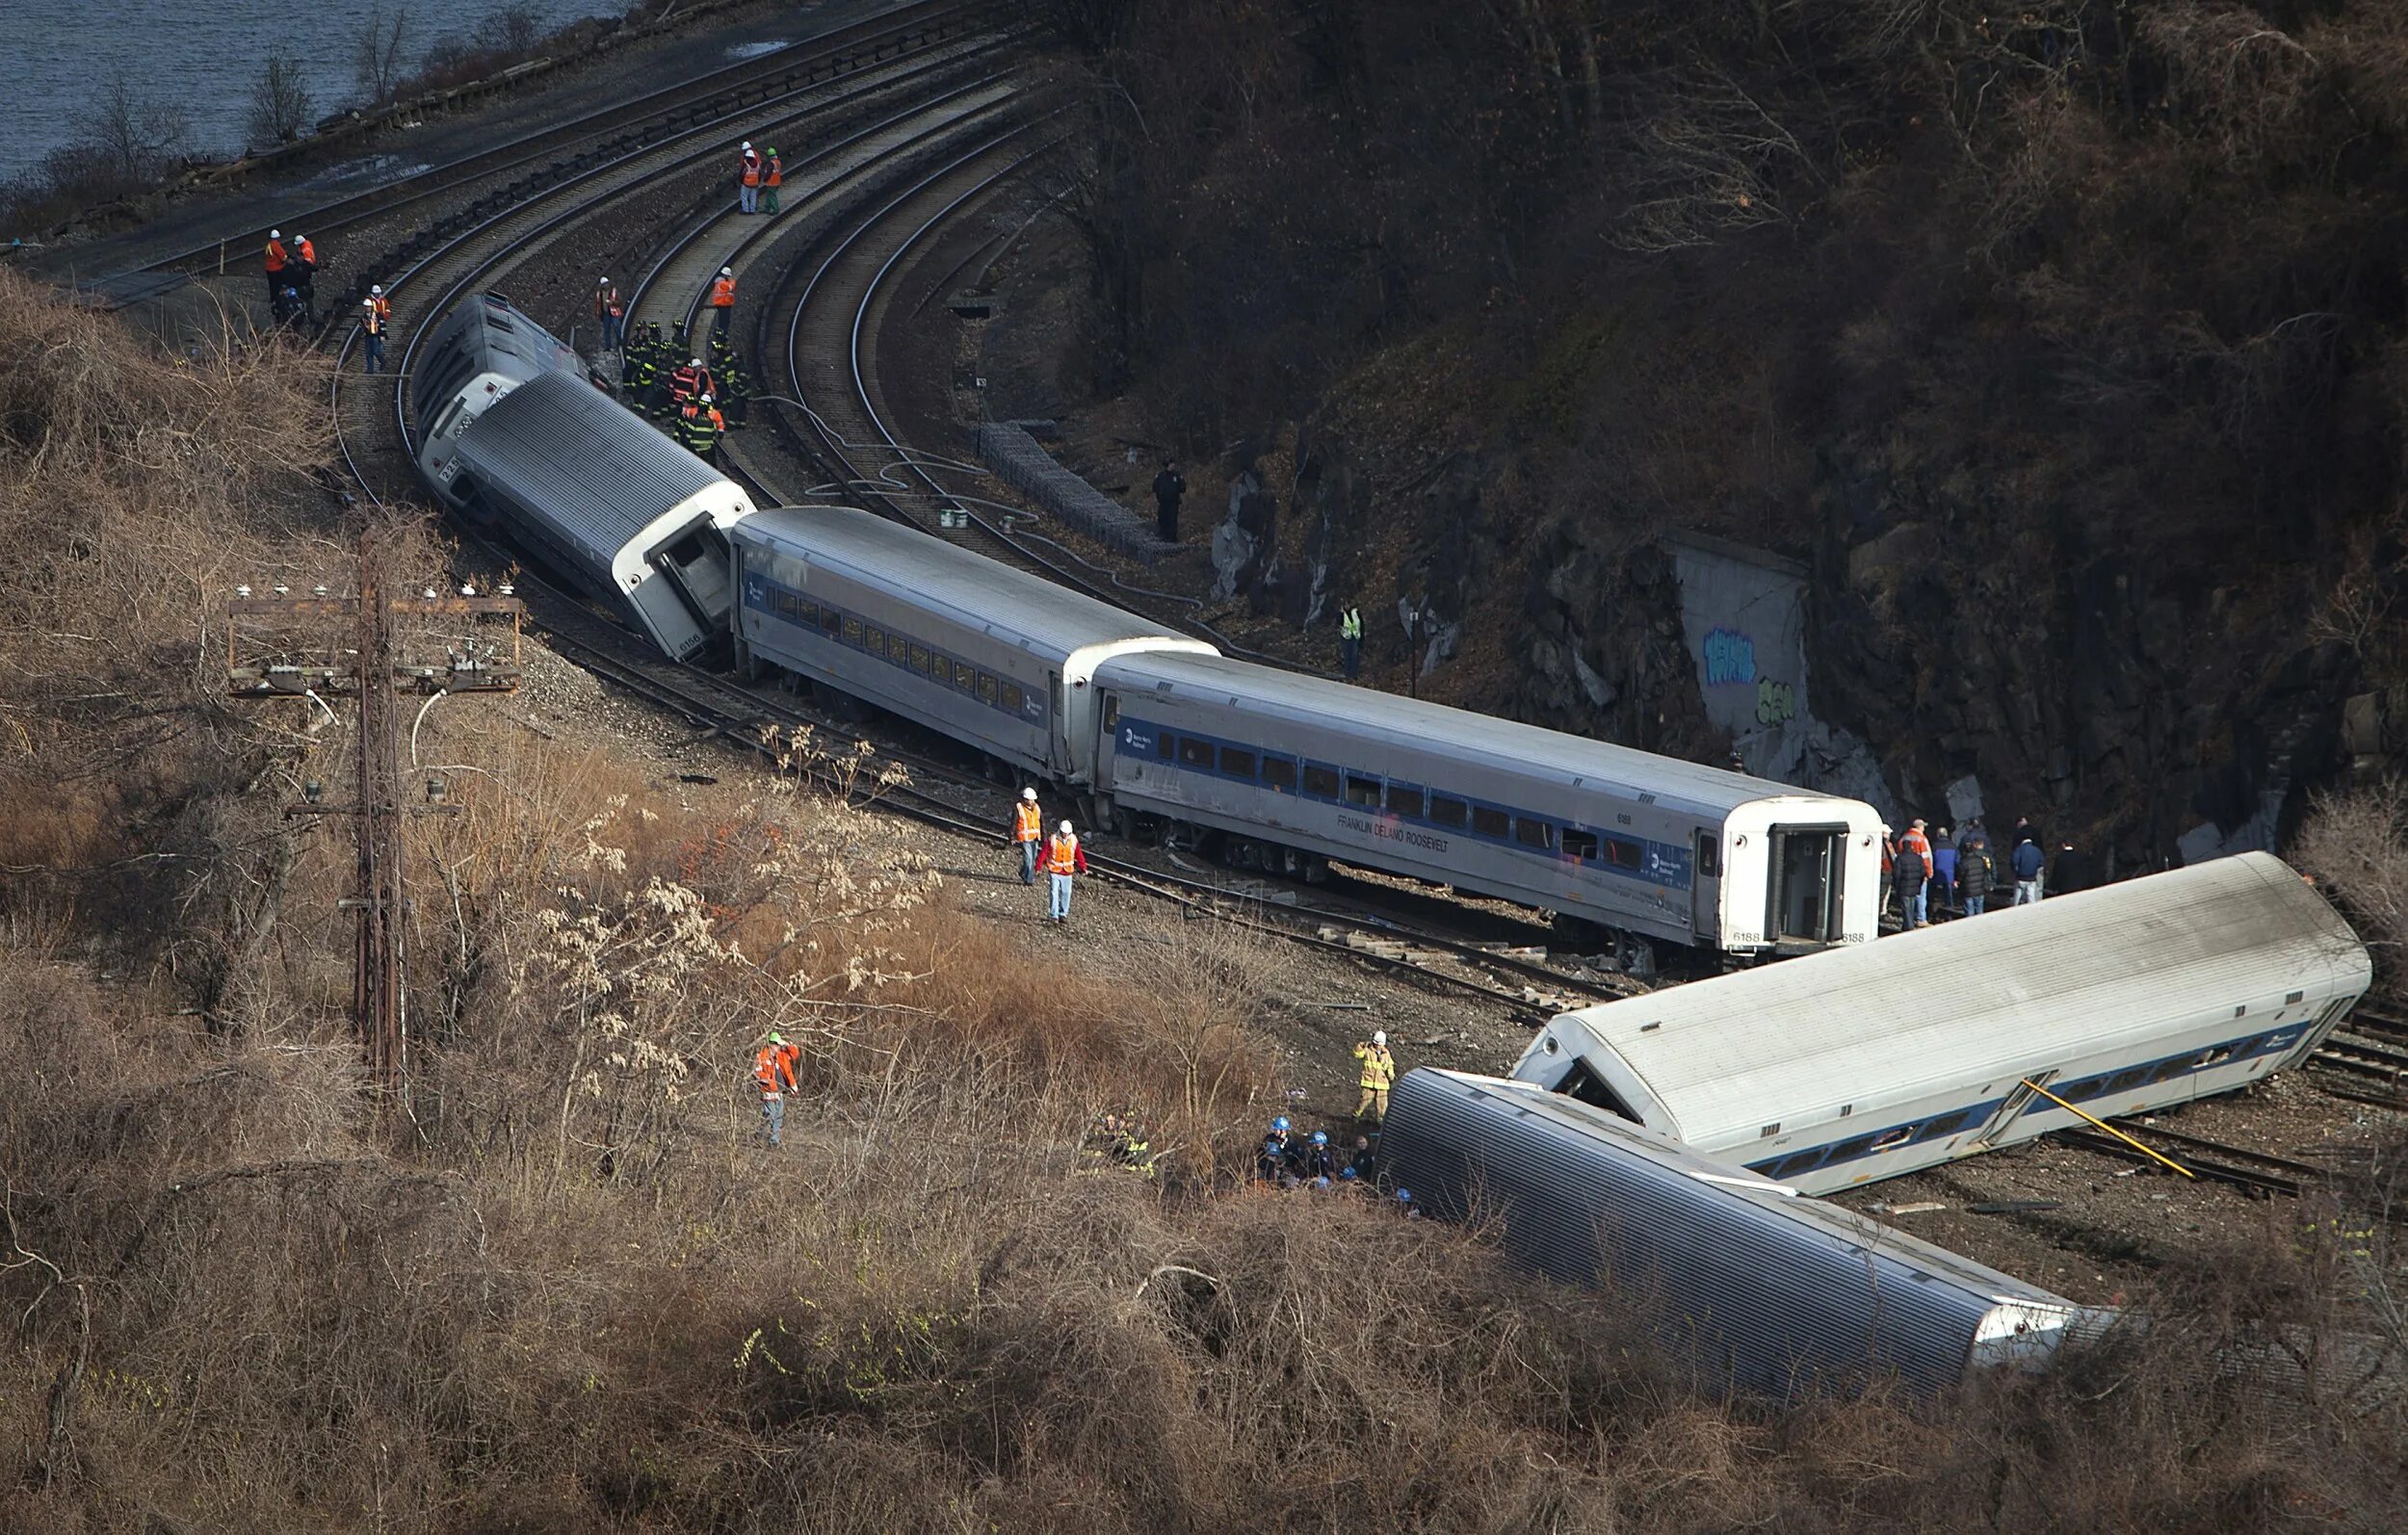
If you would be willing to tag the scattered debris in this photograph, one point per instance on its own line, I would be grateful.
(2015, 1207)
(1919, 1207)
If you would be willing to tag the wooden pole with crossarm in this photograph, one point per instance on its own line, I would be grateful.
(371, 668)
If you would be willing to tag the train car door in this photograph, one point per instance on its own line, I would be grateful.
(1706, 884)
(2027, 1092)
(1802, 898)
(1057, 726)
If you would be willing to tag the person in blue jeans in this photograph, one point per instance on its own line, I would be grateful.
(1063, 858)
(2027, 862)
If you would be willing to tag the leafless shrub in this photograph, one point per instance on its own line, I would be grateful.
(280, 100)
(376, 53)
(141, 135)
(2355, 843)
(2233, 79)
(513, 29)
(1703, 160)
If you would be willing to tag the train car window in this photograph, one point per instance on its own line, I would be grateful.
(1363, 792)
(1848, 1151)
(2124, 1081)
(1112, 709)
(831, 620)
(986, 689)
(919, 658)
(1014, 699)
(1624, 853)
(1321, 781)
(1164, 742)
(965, 676)
(1280, 773)
(1897, 1137)
(2211, 1058)
(1948, 1124)
(1194, 753)
(852, 631)
(1236, 761)
(1490, 822)
(1534, 833)
(1448, 812)
(1579, 843)
(2170, 1068)
(1709, 857)
(1794, 1164)
(1403, 801)
(878, 641)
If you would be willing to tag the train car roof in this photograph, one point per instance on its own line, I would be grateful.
(601, 472)
(1973, 1001)
(969, 589)
(1505, 745)
(485, 334)
(1780, 1289)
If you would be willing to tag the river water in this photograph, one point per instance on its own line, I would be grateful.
(203, 57)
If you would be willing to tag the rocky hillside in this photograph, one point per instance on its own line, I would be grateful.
(2060, 351)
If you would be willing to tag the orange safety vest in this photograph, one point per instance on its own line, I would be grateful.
(308, 254)
(276, 255)
(1030, 826)
(1061, 855)
(723, 293)
(778, 172)
(774, 1063)
(606, 303)
(376, 320)
(752, 168)
(384, 310)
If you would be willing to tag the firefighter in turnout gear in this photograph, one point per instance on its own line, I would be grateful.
(1378, 1074)
(700, 426)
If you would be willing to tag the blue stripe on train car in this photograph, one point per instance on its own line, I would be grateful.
(1666, 864)
(1956, 1121)
(851, 631)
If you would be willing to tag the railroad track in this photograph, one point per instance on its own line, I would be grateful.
(2259, 1173)
(2369, 1049)
(515, 170)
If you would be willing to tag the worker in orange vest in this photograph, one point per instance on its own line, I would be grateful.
(372, 326)
(748, 179)
(304, 274)
(1063, 858)
(277, 260)
(687, 383)
(1028, 831)
(722, 301)
(772, 177)
(773, 1077)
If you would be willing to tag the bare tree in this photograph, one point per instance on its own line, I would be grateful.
(515, 28)
(377, 54)
(280, 101)
(137, 135)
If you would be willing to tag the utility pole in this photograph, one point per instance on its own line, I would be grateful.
(371, 668)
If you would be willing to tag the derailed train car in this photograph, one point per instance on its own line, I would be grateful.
(1846, 1067)
(1761, 1289)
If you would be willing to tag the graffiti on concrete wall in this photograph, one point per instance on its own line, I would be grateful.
(1730, 658)
(1776, 702)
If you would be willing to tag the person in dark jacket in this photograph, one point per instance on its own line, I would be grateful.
(1943, 869)
(1976, 874)
(1168, 486)
(2026, 860)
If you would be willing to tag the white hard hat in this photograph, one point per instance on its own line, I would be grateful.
(727, 272)
(604, 283)
(1029, 795)
(1065, 828)
(302, 238)
(694, 362)
(367, 303)
(1379, 1036)
(706, 397)
(275, 234)
(376, 287)
(748, 144)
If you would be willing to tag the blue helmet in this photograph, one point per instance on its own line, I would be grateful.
(1321, 1137)
(1345, 1174)
(1280, 1124)
(1405, 1196)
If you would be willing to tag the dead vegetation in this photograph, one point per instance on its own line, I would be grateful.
(559, 1286)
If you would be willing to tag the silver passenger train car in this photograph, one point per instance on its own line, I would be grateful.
(1759, 1290)
(1279, 766)
(1844, 1067)
(992, 657)
(514, 434)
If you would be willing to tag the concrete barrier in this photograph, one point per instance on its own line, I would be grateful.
(1011, 449)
